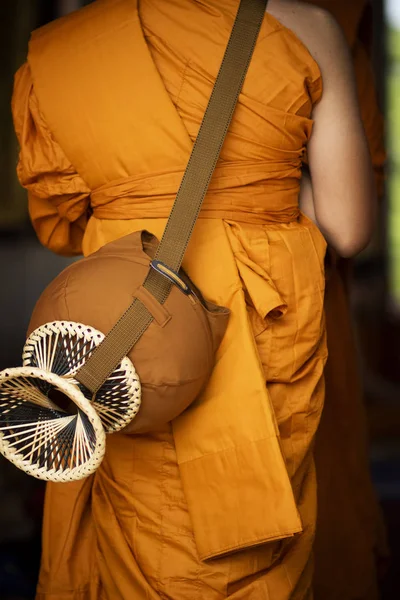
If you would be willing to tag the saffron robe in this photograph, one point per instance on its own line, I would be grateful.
(222, 504)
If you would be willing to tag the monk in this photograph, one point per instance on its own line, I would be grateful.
(221, 504)
(350, 539)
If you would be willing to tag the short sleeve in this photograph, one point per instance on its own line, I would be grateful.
(58, 197)
(315, 88)
(314, 81)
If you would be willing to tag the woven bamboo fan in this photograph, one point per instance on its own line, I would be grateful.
(62, 347)
(50, 425)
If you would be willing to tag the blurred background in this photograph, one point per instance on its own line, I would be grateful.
(26, 268)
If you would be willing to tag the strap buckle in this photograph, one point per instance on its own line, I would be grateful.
(171, 275)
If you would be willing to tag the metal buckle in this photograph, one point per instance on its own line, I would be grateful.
(171, 275)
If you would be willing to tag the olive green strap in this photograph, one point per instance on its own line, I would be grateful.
(185, 211)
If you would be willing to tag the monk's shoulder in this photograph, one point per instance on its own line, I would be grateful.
(93, 19)
(303, 13)
(316, 27)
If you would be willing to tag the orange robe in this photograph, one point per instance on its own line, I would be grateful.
(222, 504)
(350, 535)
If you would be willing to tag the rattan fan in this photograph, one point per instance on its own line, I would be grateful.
(62, 347)
(40, 437)
(50, 425)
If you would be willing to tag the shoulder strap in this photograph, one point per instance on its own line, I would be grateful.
(189, 199)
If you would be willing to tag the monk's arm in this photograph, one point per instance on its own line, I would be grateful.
(340, 165)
